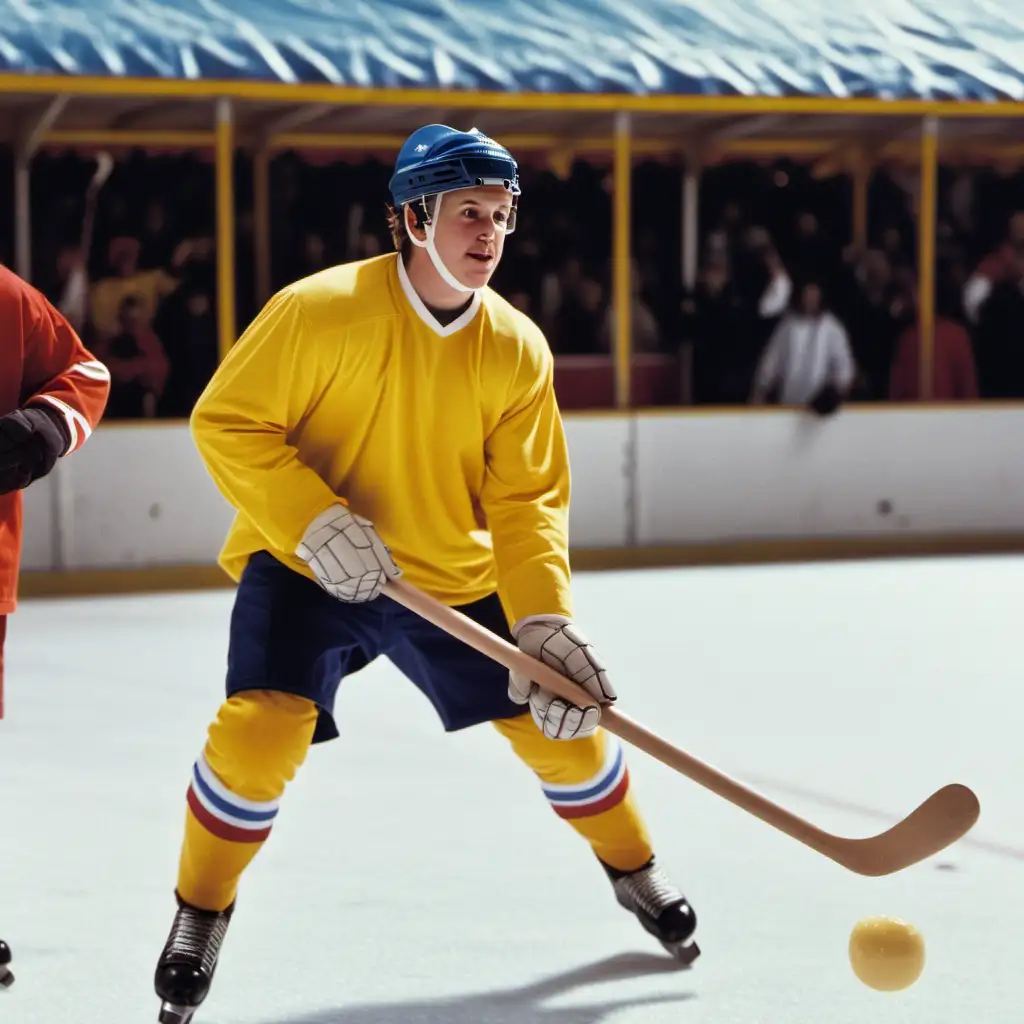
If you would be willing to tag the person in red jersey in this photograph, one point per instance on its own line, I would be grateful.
(53, 392)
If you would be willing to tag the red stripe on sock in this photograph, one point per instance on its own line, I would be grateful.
(221, 829)
(606, 803)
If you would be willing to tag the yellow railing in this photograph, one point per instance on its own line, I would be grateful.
(468, 99)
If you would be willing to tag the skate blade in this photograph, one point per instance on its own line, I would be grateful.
(684, 952)
(6, 978)
(171, 1014)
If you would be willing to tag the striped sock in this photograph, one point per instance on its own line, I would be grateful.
(254, 747)
(586, 782)
(601, 792)
(224, 814)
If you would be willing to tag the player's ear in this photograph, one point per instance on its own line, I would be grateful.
(414, 222)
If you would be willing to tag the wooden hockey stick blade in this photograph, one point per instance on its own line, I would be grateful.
(943, 818)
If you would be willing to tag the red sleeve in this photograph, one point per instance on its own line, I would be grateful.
(59, 370)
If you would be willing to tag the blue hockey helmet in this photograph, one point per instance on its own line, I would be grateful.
(436, 158)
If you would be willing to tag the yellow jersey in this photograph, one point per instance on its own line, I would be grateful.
(448, 438)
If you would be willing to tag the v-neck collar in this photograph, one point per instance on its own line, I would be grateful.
(444, 330)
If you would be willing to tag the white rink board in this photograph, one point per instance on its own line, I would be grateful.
(143, 497)
(140, 496)
(601, 482)
(37, 552)
(788, 475)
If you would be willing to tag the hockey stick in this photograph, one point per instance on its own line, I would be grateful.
(104, 168)
(74, 300)
(942, 819)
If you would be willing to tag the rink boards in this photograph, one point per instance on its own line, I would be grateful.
(138, 497)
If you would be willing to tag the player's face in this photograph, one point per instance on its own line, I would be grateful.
(470, 232)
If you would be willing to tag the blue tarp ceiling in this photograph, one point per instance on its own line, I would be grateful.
(933, 49)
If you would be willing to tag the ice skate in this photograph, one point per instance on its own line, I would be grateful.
(186, 966)
(660, 907)
(6, 977)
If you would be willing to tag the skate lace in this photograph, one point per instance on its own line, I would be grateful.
(651, 890)
(196, 938)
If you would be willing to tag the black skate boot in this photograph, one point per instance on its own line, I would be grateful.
(6, 978)
(185, 969)
(659, 906)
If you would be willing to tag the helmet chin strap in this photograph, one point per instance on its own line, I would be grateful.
(435, 257)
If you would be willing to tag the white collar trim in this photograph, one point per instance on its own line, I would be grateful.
(425, 315)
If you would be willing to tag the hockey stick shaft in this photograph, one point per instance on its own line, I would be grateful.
(942, 819)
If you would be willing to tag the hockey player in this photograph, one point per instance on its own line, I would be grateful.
(52, 395)
(391, 417)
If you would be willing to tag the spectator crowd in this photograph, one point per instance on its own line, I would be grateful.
(784, 302)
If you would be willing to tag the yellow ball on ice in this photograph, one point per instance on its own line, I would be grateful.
(887, 954)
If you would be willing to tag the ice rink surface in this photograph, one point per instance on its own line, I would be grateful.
(417, 877)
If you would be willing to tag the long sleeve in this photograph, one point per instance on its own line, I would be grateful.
(60, 372)
(525, 495)
(842, 368)
(243, 421)
(775, 298)
(769, 367)
(42, 363)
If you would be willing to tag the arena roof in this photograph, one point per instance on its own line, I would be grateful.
(717, 78)
(924, 49)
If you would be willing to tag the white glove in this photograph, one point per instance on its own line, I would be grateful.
(346, 553)
(557, 642)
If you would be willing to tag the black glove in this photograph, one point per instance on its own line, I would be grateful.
(31, 441)
(826, 401)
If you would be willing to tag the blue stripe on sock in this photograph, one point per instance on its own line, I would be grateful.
(598, 789)
(228, 808)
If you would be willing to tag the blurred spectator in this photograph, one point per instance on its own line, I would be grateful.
(137, 362)
(809, 352)
(579, 322)
(998, 351)
(645, 333)
(719, 340)
(813, 254)
(187, 321)
(954, 377)
(148, 287)
(157, 238)
(154, 242)
(760, 274)
(559, 288)
(724, 239)
(727, 319)
(1003, 266)
(875, 309)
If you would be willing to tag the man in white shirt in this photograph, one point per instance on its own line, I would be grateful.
(808, 360)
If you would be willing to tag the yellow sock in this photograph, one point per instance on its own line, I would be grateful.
(254, 747)
(587, 783)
